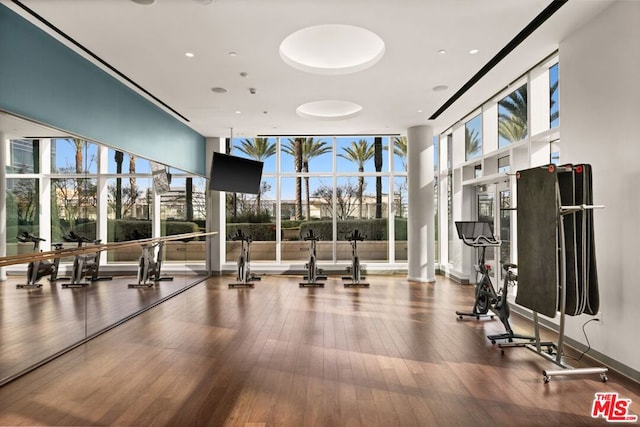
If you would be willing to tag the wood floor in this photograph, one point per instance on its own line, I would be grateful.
(279, 355)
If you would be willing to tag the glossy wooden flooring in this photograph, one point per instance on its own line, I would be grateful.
(279, 355)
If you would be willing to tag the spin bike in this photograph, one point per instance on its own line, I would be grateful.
(314, 274)
(479, 235)
(84, 265)
(244, 275)
(39, 268)
(149, 266)
(355, 269)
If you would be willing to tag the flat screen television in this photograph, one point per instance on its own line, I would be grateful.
(235, 174)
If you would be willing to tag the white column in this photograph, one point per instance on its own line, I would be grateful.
(3, 203)
(45, 194)
(215, 248)
(421, 224)
(102, 196)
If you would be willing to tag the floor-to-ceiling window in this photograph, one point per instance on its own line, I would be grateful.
(516, 129)
(326, 185)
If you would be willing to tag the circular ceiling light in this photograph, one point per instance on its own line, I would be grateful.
(332, 49)
(329, 110)
(145, 2)
(440, 88)
(218, 89)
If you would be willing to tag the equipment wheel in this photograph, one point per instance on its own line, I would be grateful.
(482, 301)
(312, 270)
(241, 268)
(604, 378)
(356, 269)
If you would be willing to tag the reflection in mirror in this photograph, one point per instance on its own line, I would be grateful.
(94, 194)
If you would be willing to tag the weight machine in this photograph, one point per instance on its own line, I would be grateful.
(314, 274)
(244, 276)
(355, 269)
(84, 265)
(150, 266)
(39, 268)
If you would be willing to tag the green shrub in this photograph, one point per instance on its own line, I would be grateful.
(371, 229)
(171, 228)
(122, 230)
(401, 228)
(249, 217)
(263, 231)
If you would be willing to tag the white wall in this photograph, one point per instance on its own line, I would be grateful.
(600, 124)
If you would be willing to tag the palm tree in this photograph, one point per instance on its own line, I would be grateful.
(400, 149)
(119, 158)
(310, 149)
(377, 160)
(293, 147)
(132, 183)
(78, 144)
(556, 114)
(189, 198)
(258, 149)
(359, 152)
(472, 142)
(512, 124)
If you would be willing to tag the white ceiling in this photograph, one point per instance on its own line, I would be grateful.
(148, 45)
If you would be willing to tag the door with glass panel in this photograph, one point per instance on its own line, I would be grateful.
(485, 208)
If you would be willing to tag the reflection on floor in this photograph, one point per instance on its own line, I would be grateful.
(394, 354)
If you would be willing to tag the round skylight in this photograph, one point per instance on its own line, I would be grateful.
(332, 49)
(329, 110)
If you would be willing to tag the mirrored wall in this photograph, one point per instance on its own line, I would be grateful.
(65, 192)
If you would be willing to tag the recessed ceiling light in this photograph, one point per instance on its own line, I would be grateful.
(189, 55)
(233, 54)
(144, 2)
(238, 112)
(440, 88)
(332, 49)
(442, 52)
(419, 111)
(219, 90)
(329, 110)
(473, 51)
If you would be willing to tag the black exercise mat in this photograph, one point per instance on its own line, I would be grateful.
(581, 237)
(592, 304)
(537, 216)
(573, 290)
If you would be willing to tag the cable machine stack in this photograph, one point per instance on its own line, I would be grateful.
(556, 246)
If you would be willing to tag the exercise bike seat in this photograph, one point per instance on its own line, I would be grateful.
(509, 266)
(310, 236)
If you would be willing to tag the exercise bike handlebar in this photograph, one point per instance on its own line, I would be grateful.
(241, 236)
(355, 235)
(76, 238)
(26, 237)
(481, 241)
